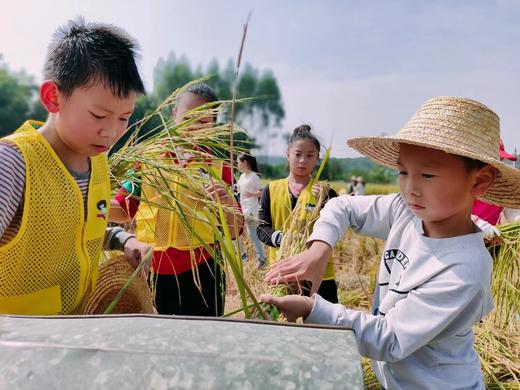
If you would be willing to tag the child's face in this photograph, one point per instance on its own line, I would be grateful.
(92, 118)
(187, 102)
(302, 156)
(437, 187)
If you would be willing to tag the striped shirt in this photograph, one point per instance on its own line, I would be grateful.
(12, 185)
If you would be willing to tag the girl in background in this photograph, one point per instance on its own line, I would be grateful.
(250, 188)
(280, 197)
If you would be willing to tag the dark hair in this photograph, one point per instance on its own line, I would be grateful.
(251, 161)
(82, 53)
(202, 90)
(303, 132)
(471, 164)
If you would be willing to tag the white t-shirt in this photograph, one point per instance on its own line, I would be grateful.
(249, 182)
(430, 293)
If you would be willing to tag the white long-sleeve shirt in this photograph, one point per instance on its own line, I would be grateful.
(430, 293)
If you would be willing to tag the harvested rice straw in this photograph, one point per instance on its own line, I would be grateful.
(506, 277)
(499, 350)
(165, 173)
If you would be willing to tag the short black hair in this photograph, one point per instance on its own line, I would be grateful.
(472, 164)
(202, 90)
(82, 53)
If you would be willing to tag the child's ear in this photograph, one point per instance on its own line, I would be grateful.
(49, 94)
(484, 179)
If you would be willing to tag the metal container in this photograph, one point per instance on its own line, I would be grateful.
(163, 352)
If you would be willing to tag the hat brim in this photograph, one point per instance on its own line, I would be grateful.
(504, 192)
(113, 274)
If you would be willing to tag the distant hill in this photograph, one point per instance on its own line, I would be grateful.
(275, 167)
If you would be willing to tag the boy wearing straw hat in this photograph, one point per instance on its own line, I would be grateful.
(434, 277)
(54, 179)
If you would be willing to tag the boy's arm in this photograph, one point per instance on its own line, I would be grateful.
(265, 230)
(367, 215)
(12, 182)
(117, 239)
(445, 304)
(370, 215)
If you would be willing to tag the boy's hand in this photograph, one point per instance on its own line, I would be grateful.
(291, 306)
(135, 251)
(309, 265)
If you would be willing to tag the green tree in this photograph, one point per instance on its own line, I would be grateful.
(260, 116)
(16, 96)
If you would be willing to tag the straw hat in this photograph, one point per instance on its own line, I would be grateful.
(454, 125)
(113, 275)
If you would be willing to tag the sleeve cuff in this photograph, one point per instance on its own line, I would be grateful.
(327, 237)
(323, 312)
(276, 238)
(119, 239)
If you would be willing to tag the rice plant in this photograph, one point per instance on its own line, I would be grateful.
(506, 276)
(159, 162)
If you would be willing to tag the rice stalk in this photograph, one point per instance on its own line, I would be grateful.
(506, 276)
(498, 350)
(158, 160)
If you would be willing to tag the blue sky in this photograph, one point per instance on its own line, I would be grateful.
(348, 68)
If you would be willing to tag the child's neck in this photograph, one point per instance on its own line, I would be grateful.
(457, 225)
(68, 157)
(304, 180)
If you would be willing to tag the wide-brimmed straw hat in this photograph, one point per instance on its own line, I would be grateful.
(455, 125)
(113, 275)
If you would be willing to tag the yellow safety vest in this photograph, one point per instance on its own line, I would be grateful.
(163, 228)
(51, 265)
(280, 201)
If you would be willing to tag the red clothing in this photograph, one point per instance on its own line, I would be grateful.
(488, 212)
(171, 261)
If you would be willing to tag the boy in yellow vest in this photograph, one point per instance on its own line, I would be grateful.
(176, 251)
(54, 179)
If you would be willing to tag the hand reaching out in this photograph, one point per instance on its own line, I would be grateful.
(135, 251)
(291, 306)
(309, 265)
